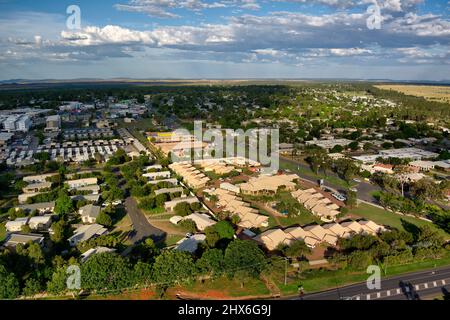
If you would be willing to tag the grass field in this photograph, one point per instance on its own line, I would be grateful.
(432, 93)
(319, 280)
(391, 219)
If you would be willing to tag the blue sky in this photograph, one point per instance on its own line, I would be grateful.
(226, 39)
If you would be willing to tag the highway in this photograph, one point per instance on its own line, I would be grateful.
(428, 283)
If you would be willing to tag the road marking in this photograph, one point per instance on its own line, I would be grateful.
(399, 291)
(443, 282)
(416, 287)
(435, 283)
(378, 294)
(426, 285)
(368, 297)
(388, 293)
(358, 298)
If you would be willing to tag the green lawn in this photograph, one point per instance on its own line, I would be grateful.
(2, 232)
(385, 217)
(312, 175)
(319, 280)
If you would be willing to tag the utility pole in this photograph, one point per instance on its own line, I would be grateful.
(285, 271)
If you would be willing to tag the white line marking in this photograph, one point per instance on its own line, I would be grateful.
(399, 291)
(435, 283)
(426, 285)
(416, 287)
(378, 294)
(388, 293)
(358, 298)
(443, 281)
(368, 297)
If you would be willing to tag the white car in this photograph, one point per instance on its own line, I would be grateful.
(339, 197)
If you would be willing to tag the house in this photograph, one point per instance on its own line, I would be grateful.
(201, 220)
(41, 223)
(89, 213)
(191, 175)
(190, 244)
(13, 239)
(39, 178)
(271, 239)
(375, 228)
(169, 190)
(353, 226)
(170, 205)
(269, 184)
(76, 184)
(86, 232)
(230, 187)
(422, 165)
(25, 196)
(337, 230)
(41, 207)
(86, 197)
(383, 168)
(85, 256)
(16, 225)
(157, 175)
(37, 187)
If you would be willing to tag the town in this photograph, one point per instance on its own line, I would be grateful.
(100, 182)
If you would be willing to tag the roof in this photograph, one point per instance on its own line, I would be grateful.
(37, 206)
(201, 220)
(40, 219)
(190, 244)
(317, 231)
(90, 210)
(96, 250)
(269, 183)
(86, 232)
(272, 238)
(15, 238)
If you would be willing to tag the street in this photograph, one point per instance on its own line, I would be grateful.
(142, 228)
(424, 284)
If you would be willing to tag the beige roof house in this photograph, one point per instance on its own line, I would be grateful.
(352, 226)
(271, 239)
(337, 229)
(268, 184)
(372, 225)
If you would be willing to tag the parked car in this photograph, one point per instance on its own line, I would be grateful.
(339, 197)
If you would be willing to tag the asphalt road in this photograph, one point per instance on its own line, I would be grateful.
(424, 284)
(142, 228)
(365, 189)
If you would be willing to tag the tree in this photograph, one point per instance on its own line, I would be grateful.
(34, 252)
(297, 249)
(351, 200)
(188, 225)
(353, 145)
(104, 219)
(244, 255)
(63, 204)
(224, 229)
(59, 229)
(182, 209)
(160, 199)
(9, 285)
(211, 261)
(359, 259)
(106, 271)
(57, 283)
(173, 266)
(32, 287)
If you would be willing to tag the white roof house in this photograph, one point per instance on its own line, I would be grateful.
(14, 239)
(190, 244)
(40, 223)
(86, 232)
(16, 225)
(93, 251)
(202, 221)
(89, 213)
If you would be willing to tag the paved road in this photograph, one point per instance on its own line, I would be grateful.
(365, 189)
(424, 284)
(142, 228)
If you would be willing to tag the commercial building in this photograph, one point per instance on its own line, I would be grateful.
(53, 123)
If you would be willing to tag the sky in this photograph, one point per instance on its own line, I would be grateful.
(199, 39)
